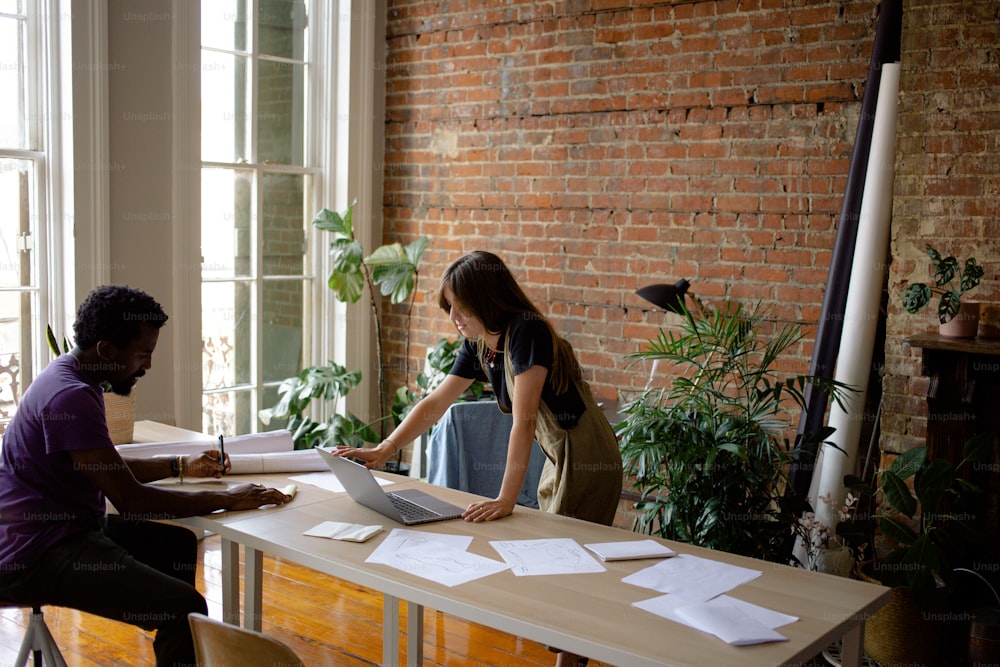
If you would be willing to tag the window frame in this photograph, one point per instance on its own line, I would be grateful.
(324, 166)
(48, 88)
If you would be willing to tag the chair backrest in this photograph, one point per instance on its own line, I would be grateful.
(217, 643)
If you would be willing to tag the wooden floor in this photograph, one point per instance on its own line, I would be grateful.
(326, 621)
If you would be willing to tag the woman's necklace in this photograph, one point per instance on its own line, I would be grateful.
(490, 356)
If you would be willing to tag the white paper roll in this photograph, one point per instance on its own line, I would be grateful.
(863, 300)
(254, 443)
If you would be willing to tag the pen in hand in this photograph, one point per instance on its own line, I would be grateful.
(222, 455)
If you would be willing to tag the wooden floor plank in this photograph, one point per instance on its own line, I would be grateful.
(326, 621)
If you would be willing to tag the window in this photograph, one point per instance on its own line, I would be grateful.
(259, 183)
(28, 117)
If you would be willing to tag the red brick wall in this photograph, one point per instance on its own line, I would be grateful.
(599, 147)
(947, 180)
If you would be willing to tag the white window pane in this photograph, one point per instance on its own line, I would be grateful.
(17, 344)
(284, 225)
(17, 234)
(12, 110)
(225, 121)
(224, 24)
(228, 413)
(227, 334)
(284, 317)
(281, 28)
(227, 215)
(11, 6)
(280, 117)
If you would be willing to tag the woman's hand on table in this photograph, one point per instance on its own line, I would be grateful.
(488, 510)
(374, 458)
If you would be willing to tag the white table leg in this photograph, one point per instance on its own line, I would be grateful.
(253, 588)
(390, 630)
(414, 634)
(853, 646)
(230, 582)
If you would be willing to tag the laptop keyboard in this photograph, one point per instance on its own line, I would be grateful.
(409, 510)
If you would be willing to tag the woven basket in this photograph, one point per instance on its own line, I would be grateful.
(899, 633)
(120, 411)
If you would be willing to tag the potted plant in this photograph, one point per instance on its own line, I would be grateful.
(926, 518)
(440, 359)
(709, 454)
(329, 384)
(952, 279)
(392, 267)
(824, 550)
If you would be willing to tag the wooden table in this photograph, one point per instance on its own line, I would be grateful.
(589, 614)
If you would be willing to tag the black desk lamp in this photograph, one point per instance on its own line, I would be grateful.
(670, 297)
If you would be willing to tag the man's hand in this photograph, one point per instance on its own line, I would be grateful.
(488, 510)
(206, 464)
(252, 496)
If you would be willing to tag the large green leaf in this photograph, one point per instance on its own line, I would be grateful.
(898, 494)
(908, 463)
(333, 222)
(945, 270)
(979, 448)
(971, 274)
(393, 271)
(416, 249)
(347, 255)
(931, 482)
(919, 562)
(915, 297)
(897, 530)
(348, 287)
(949, 305)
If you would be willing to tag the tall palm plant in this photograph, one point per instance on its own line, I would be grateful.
(709, 453)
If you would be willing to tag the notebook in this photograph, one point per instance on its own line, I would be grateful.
(409, 506)
(633, 549)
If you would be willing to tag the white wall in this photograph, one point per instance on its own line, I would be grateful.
(141, 174)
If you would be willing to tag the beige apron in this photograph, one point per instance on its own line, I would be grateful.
(582, 475)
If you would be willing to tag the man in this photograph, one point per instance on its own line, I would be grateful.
(58, 545)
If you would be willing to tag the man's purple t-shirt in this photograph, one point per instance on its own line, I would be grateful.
(44, 498)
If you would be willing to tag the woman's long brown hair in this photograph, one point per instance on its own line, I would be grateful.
(485, 288)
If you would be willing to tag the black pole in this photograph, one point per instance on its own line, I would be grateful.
(886, 49)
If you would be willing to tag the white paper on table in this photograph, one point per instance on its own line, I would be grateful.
(693, 578)
(667, 606)
(328, 481)
(300, 460)
(560, 555)
(729, 623)
(440, 558)
(254, 443)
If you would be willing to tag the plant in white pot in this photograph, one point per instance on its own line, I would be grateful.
(952, 279)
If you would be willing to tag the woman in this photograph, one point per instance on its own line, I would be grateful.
(535, 376)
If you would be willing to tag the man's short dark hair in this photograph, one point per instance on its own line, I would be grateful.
(115, 313)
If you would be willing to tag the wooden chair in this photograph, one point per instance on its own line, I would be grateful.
(218, 643)
(38, 641)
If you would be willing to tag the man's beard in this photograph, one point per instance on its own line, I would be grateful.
(123, 389)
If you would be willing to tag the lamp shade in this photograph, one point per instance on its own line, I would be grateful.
(667, 297)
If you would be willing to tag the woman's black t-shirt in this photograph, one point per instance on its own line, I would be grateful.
(528, 343)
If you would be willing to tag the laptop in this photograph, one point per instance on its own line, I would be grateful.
(408, 506)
